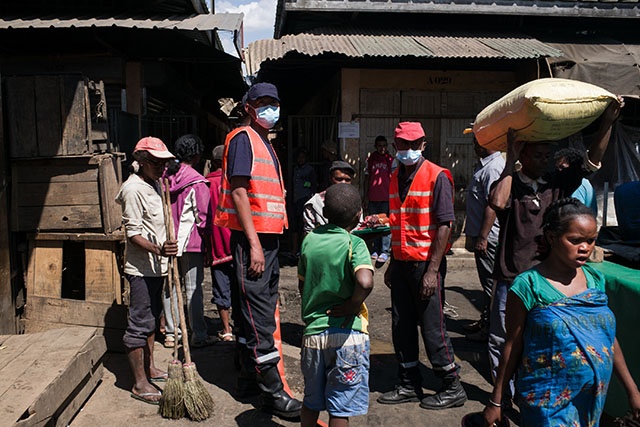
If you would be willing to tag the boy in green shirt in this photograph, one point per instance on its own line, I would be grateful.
(335, 276)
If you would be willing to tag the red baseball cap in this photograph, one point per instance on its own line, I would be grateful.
(409, 131)
(154, 146)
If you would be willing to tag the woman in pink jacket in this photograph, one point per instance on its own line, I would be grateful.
(190, 208)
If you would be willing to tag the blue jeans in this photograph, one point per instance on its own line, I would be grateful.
(335, 365)
(381, 245)
(192, 271)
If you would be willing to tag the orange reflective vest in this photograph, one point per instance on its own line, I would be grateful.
(413, 226)
(265, 192)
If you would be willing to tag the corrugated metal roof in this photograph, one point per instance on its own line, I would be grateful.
(361, 43)
(202, 22)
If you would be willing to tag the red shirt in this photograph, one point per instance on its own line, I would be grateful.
(379, 171)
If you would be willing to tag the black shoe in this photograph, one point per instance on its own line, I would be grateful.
(274, 399)
(401, 394)
(450, 395)
(473, 326)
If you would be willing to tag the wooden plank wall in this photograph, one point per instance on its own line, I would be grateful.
(63, 194)
(48, 116)
(67, 193)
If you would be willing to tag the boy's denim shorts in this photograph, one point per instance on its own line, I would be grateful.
(335, 365)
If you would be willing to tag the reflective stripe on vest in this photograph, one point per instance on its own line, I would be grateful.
(265, 191)
(413, 226)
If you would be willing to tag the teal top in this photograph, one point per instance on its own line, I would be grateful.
(535, 290)
(329, 259)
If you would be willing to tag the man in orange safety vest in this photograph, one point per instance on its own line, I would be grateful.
(252, 205)
(420, 216)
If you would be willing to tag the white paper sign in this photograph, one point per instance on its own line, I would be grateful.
(349, 130)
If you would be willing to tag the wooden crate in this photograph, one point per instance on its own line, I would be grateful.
(46, 377)
(56, 115)
(66, 193)
(49, 300)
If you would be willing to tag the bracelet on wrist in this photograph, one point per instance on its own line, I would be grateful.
(492, 403)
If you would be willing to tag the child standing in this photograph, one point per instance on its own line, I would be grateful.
(561, 335)
(378, 178)
(335, 346)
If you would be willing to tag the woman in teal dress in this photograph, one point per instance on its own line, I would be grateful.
(560, 331)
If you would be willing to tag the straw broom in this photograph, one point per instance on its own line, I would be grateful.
(197, 400)
(172, 400)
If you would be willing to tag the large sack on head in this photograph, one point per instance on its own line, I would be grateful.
(541, 110)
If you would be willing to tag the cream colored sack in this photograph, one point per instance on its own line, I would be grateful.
(541, 110)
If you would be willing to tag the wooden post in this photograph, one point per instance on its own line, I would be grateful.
(133, 79)
(7, 309)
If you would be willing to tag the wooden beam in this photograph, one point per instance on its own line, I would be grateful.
(7, 308)
(80, 236)
(77, 312)
(133, 79)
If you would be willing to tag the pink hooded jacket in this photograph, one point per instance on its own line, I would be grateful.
(220, 247)
(191, 209)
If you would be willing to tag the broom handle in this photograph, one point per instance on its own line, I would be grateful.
(176, 280)
(166, 208)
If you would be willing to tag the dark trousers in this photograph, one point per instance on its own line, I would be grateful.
(145, 307)
(484, 265)
(258, 299)
(410, 312)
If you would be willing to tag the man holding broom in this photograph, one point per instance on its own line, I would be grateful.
(147, 249)
(252, 205)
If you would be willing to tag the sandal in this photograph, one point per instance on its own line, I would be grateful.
(159, 379)
(228, 337)
(169, 341)
(144, 397)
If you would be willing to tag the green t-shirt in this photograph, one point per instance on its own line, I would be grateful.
(535, 290)
(329, 259)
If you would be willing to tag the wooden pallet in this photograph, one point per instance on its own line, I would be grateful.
(46, 377)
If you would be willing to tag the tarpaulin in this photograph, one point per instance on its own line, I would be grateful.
(608, 63)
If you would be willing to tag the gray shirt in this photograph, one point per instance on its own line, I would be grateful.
(487, 171)
(142, 214)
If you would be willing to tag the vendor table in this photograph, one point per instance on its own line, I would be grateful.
(623, 290)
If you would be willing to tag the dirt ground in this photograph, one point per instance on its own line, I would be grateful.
(111, 404)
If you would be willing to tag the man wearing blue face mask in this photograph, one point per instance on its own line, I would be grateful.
(252, 205)
(420, 216)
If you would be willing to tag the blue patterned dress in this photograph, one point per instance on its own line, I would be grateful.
(567, 361)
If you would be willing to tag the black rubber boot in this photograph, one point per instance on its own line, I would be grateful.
(450, 395)
(246, 382)
(274, 399)
(400, 394)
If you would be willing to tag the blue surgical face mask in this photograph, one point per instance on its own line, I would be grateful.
(408, 157)
(267, 116)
